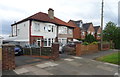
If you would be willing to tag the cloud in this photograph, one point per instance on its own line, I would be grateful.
(87, 10)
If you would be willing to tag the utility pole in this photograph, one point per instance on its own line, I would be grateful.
(102, 23)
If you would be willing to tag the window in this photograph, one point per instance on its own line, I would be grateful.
(62, 30)
(52, 28)
(49, 28)
(48, 42)
(62, 41)
(45, 42)
(92, 33)
(70, 31)
(37, 27)
(98, 34)
(83, 33)
(14, 30)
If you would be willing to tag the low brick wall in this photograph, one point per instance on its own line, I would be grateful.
(0, 54)
(86, 49)
(104, 46)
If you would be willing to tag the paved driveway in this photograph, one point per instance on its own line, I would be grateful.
(25, 60)
(69, 66)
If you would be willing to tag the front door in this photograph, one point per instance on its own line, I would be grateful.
(39, 42)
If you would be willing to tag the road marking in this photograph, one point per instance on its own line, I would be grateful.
(77, 57)
(21, 70)
(68, 59)
(47, 64)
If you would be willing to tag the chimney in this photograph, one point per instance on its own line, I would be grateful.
(51, 13)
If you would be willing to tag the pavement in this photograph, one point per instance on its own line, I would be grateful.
(99, 54)
(68, 65)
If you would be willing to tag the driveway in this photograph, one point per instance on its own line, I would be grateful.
(69, 66)
(25, 60)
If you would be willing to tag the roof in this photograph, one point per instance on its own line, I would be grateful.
(96, 28)
(86, 26)
(71, 22)
(43, 17)
(77, 23)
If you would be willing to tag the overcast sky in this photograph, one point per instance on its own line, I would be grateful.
(86, 10)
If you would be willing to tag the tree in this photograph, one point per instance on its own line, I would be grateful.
(111, 33)
(90, 38)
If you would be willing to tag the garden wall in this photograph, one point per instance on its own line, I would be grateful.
(86, 49)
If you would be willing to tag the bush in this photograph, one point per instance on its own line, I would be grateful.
(94, 43)
(90, 38)
(85, 43)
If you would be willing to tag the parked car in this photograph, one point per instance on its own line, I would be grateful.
(70, 47)
(18, 50)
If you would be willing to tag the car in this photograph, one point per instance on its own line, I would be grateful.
(70, 47)
(18, 50)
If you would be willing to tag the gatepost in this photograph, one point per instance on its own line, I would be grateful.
(8, 57)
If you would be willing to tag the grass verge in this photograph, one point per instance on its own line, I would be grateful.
(111, 58)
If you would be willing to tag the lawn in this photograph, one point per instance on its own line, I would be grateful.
(111, 58)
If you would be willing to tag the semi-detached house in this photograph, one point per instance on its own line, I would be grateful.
(42, 29)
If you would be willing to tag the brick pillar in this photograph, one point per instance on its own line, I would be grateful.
(78, 49)
(8, 57)
(55, 51)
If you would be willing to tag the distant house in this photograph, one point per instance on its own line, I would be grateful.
(87, 28)
(42, 29)
(82, 29)
(97, 32)
(77, 29)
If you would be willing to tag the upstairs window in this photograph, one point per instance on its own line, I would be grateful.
(37, 27)
(49, 28)
(70, 31)
(62, 30)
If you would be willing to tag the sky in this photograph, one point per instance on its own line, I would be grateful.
(85, 10)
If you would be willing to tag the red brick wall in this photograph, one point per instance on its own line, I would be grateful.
(85, 49)
(8, 57)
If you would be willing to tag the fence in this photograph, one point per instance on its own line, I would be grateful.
(43, 51)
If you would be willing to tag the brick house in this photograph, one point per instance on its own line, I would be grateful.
(97, 32)
(77, 30)
(41, 29)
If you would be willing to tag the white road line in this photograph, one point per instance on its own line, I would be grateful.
(77, 57)
(21, 70)
(68, 59)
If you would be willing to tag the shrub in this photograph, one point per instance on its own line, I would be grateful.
(90, 38)
(94, 43)
(85, 43)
